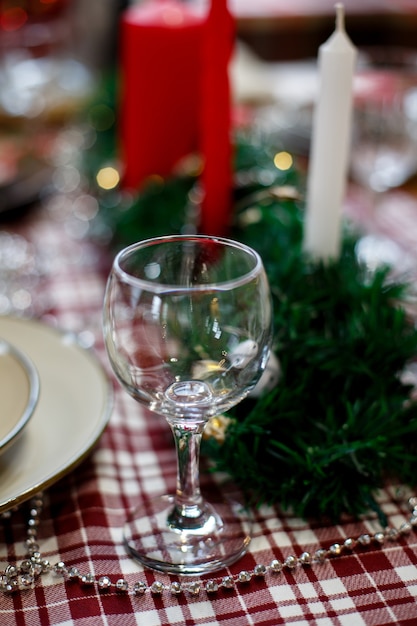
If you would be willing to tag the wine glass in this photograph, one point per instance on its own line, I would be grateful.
(384, 149)
(187, 327)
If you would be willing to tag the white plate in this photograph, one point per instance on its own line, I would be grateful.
(19, 392)
(71, 414)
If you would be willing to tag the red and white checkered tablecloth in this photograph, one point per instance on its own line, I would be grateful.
(84, 511)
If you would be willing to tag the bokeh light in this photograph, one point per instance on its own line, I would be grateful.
(108, 178)
(283, 161)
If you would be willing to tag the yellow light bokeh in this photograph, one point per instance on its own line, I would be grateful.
(283, 161)
(108, 178)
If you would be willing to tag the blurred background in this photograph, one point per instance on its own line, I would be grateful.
(293, 29)
(55, 55)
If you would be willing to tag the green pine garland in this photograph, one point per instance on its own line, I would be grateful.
(339, 422)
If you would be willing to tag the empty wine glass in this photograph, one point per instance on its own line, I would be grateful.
(187, 326)
(384, 147)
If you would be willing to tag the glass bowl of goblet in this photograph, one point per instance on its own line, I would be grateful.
(187, 327)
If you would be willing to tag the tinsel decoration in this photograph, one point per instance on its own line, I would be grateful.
(341, 419)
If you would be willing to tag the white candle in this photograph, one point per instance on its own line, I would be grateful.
(331, 135)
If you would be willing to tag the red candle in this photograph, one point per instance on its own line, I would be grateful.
(160, 58)
(216, 148)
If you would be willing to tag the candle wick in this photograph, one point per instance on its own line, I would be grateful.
(340, 17)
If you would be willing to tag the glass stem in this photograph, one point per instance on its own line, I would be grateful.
(188, 512)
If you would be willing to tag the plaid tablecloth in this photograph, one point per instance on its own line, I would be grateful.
(83, 513)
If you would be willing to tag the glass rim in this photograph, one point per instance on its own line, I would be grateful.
(246, 277)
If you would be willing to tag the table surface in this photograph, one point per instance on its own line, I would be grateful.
(84, 511)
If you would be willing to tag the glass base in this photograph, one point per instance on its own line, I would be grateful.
(221, 539)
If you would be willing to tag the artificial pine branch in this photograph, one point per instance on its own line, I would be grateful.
(340, 420)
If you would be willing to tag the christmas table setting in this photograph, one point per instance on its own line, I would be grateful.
(321, 450)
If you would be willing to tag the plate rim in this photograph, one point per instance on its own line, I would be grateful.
(77, 457)
(34, 390)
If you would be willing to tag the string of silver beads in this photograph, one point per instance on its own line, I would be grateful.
(24, 576)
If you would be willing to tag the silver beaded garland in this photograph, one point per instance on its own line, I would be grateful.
(73, 573)
(364, 540)
(335, 549)
(176, 588)
(306, 558)
(244, 577)
(228, 582)
(349, 544)
(139, 588)
(157, 588)
(88, 579)
(194, 588)
(104, 582)
(291, 561)
(24, 576)
(276, 566)
(122, 585)
(212, 586)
